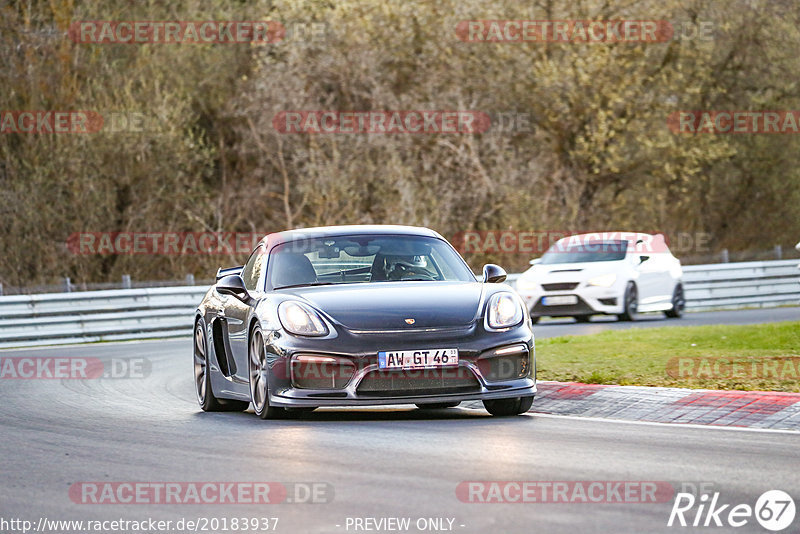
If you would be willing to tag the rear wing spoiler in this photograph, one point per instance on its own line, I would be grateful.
(222, 273)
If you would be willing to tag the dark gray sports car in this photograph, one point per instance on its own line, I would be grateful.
(361, 315)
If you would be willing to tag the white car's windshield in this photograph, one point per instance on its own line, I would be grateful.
(364, 259)
(586, 252)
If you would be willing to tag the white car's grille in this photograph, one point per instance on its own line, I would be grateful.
(562, 286)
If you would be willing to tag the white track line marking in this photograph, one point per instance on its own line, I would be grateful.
(672, 425)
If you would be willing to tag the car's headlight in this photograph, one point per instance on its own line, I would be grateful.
(526, 284)
(606, 280)
(300, 319)
(504, 311)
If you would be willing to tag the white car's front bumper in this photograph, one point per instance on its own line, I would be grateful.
(591, 300)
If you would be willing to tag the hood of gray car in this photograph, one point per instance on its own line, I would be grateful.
(396, 305)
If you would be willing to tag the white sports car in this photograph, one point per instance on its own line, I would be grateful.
(612, 273)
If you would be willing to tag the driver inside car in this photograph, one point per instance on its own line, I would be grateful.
(395, 268)
(405, 267)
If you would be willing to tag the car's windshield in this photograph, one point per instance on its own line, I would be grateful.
(585, 252)
(364, 259)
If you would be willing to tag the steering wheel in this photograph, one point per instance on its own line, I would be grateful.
(402, 270)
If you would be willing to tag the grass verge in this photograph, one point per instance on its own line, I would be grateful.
(763, 357)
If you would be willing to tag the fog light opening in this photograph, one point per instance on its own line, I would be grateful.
(505, 363)
(311, 371)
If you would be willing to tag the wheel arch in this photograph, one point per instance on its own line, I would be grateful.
(250, 327)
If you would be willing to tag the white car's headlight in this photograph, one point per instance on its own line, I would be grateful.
(300, 319)
(526, 283)
(504, 311)
(606, 280)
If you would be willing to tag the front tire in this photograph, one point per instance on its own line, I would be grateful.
(259, 378)
(506, 407)
(202, 378)
(678, 303)
(631, 303)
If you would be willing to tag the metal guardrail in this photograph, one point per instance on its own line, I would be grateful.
(749, 284)
(60, 318)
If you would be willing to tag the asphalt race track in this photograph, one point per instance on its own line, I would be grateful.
(377, 463)
(552, 327)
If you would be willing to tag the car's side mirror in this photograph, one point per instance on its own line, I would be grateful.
(535, 261)
(643, 259)
(223, 272)
(233, 285)
(493, 274)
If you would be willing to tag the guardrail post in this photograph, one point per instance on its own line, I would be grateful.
(67, 285)
(724, 256)
(126, 281)
(778, 252)
(1, 289)
(189, 279)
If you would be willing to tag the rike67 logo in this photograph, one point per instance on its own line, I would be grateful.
(774, 510)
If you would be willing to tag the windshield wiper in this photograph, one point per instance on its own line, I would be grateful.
(310, 284)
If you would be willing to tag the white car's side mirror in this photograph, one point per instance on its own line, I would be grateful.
(538, 260)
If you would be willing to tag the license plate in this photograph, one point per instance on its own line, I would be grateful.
(417, 359)
(560, 300)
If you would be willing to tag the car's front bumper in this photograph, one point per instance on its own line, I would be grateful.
(591, 300)
(475, 378)
(298, 398)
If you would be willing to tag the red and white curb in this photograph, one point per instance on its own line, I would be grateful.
(749, 409)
